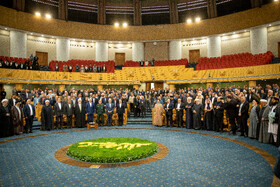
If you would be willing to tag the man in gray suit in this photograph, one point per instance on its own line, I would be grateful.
(110, 110)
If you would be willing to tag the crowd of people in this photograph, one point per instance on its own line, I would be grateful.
(31, 64)
(204, 109)
(82, 68)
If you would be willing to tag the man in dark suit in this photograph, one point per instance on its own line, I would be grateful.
(90, 68)
(12, 101)
(142, 106)
(179, 113)
(231, 106)
(69, 111)
(141, 63)
(136, 106)
(168, 112)
(90, 107)
(120, 112)
(104, 68)
(58, 113)
(77, 68)
(243, 115)
(98, 69)
(29, 114)
(110, 110)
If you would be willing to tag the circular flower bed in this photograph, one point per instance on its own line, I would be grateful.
(112, 150)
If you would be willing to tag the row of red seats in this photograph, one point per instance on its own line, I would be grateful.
(110, 65)
(130, 63)
(234, 60)
(15, 59)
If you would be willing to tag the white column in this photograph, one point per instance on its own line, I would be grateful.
(138, 52)
(18, 42)
(258, 38)
(214, 46)
(101, 53)
(62, 49)
(175, 50)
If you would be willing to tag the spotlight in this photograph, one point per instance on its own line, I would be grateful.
(116, 24)
(124, 24)
(189, 20)
(276, 0)
(48, 16)
(42, 35)
(197, 19)
(269, 25)
(37, 14)
(5, 28)
(31, 33)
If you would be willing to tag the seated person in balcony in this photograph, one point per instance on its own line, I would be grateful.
(12, 65)
(141, 63)
(31, 58)
(104, 69)
(82, 69)
(86, 69)
(16, 66)
(120, 112)
(70, 69)
(22, 66)
(65, 68)
(94, 68)
(2, 64)
(77, 68)
(153, 62)
(56, 68)
(146, 63)
(27, 65)
(90, 68)
(98, 69)
(7, 64)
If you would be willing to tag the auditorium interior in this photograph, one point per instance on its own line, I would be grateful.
(139, 93)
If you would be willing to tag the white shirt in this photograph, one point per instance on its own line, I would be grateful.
(90, 104)
(80, 107)
(120, 105)
(178, 106)
(59, 105)
(69, 106)
(14, 101)
(31, 111)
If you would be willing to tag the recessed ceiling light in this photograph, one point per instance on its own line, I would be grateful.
(233, 32)
(245, 30)
(83, 40)
(197, 19)
(189, 20)
(124, 24)
(6, 28)
(31, 33)
(116, 24)
(37, 14)
(269, 25)
(48, 16)
(42, 35)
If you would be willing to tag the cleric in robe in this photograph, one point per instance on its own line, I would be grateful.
(189, 114)
(17, 113)
(47, 116)
(197, 114)
(6, 125)
(80, 113)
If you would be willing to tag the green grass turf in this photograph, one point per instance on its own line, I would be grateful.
(100, 151)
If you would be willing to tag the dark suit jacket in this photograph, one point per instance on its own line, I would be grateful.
(57, 110)
(26, 111)
(244, 109)
(68, 111)
(90, 110)
(182, 107)
(170, 108)
(120, 110)
(108, 108)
